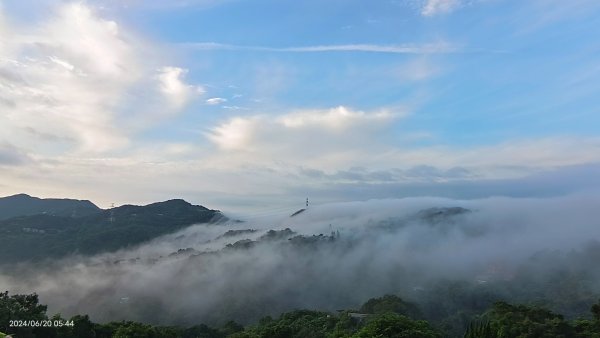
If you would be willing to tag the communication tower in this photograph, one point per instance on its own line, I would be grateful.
(112, 213)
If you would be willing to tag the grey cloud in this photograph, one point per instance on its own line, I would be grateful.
(458, 172)
(12, 77)
(363, 175)
(556, 182)
(431, 173)
(46, 136)
(348, 175)
(11, 155)
(8, 102)
(384, 176)
(423, 171)
(312, 173)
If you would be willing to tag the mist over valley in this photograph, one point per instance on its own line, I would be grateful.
(431, 251)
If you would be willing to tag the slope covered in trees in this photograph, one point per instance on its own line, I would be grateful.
(25, 205)
(42, 236)
(388, 316)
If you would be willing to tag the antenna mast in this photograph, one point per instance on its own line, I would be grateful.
(112, 213)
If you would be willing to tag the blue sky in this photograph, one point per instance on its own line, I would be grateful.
(255, 103)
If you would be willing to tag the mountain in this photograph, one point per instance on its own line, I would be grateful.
(35, 237)
(25, 205)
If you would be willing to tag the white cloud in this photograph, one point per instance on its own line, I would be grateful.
(294, 134)
(340, 138)
(215, 101)
(172, 85)
(95, 44)
(162, 5)
(436, 7)
(235, 108)
(74, 78)
(337, 119)
(62, 63)
(236, 134)
(65, 77)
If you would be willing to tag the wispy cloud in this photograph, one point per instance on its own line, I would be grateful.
(538, 14)
(435, 7)
(161, 5)
(420, 69)
(215, 101)
(426, 48)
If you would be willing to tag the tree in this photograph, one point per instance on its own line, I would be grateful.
(391, 325)
(295, 324)
(231, 327)
(479, 329)
(202, 331)
(589, 328)
(521, 321)
(391, 303)
(83, 327)
(596, 311)
(21, 307)
(134, 330)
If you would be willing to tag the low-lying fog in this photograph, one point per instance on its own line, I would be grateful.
(367, 249)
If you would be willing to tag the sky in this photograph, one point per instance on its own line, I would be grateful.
(255, 105)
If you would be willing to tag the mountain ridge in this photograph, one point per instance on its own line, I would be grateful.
(26, 205)
(40, 236)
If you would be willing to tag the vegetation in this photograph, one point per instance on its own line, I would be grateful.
(25, 205)
(391, 304)
(519, 321)
(388, 317)
(36, 237)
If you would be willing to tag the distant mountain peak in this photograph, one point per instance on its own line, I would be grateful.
(65, 229)
(21, 195)
(26, 205)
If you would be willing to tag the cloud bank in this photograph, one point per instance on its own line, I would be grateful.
(379, 246)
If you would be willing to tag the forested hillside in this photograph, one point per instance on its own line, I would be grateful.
(47, 235)
(385, 317)
(25, 205)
